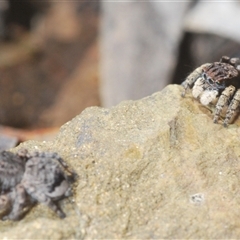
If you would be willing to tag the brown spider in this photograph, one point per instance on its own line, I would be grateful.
(216, 83)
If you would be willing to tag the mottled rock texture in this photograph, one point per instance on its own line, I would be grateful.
(153, 168)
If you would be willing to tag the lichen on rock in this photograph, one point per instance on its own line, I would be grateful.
(153, 168)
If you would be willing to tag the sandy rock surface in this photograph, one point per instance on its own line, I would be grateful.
(153, 168)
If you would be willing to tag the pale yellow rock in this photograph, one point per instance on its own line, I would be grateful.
(153, 168)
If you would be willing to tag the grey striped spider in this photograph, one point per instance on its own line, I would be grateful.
(26, 179)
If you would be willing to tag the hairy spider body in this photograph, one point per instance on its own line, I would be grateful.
(43, 180)
(214, 83)
(12, 168)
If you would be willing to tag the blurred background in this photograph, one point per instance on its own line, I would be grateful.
(59, 57)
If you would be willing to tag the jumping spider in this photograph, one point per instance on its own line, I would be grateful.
(26, 179)
(216, 83)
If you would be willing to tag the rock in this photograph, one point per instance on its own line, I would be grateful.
(153, 168)
(138, 45)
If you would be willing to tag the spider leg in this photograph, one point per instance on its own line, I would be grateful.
(192, 78)
(5, 203)
(235, 62)
(39, 196)
(222, 101)
(225, 59)
(73, 175)
(19, 199)
(48, 202)
(235, 103)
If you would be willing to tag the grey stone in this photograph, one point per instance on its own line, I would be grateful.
(153, 168)
(138, 45)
